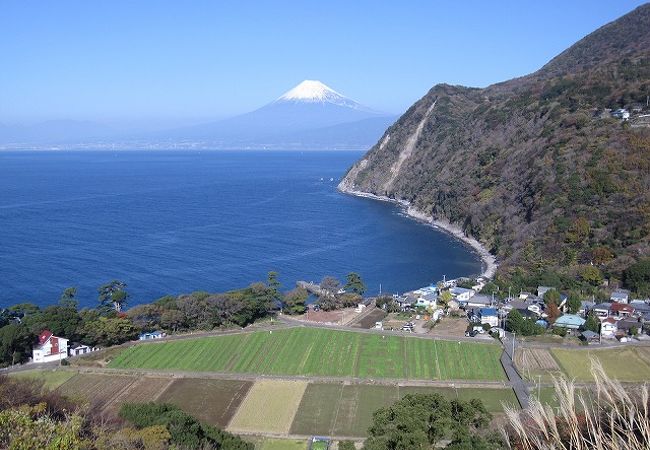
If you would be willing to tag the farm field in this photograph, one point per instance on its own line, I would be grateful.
(317, 411)
(356, 406)
(277, 407)
(51, 379)
(270, 406)
(534, 362)
(321, 352)
(99, 390)
(281, 444)
(211, 401)
(335, 409)
(144, 389)
(629, 364)
(492, 398)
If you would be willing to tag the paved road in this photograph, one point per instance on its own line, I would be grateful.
(518, 384)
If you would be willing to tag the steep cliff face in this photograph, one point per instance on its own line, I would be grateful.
(533, 167)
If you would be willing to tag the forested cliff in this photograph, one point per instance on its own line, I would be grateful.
(536, 167)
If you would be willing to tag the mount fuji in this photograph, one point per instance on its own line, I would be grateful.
(309, 116)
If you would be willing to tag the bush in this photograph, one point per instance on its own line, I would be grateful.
(559, 331)
(346, 445)
(185, 430)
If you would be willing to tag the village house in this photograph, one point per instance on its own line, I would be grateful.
(620, 310)
(601, 310)
(77, 349)
(462, 294)
(590, 337)
(152, 335)
(641, 310)
(621, 113)
(620, 296)
(476, 301)
(629, 326)
(489, 316)
(608, 327)
(569, 322)
(49, 348)
(541, 290)
(585, 307)
(427, 300)
(531, 305)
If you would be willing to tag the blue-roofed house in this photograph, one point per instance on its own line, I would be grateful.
(152, 335)
(569, 321)
(489, 316)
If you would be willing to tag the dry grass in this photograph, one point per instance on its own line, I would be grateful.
(607, 418)
(270, 406)
(532, 362)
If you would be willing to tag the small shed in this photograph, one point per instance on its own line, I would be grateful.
(152, 335)
(590, 337)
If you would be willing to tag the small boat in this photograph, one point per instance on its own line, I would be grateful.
(331, 179)
(321, 178)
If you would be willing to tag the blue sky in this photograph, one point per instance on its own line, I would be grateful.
(194, 60)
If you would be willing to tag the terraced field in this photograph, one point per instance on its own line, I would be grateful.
(51, 379)
(321, 352)
(270, 406)
(100, 390)
(145, 389)
(629, 364)
(211, 401)
(279, 407)
(346, 410)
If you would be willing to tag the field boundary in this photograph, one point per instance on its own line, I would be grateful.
(310, 378)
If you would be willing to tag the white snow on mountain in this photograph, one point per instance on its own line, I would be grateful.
(313, 91)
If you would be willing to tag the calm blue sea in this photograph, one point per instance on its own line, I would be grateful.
(169, 222)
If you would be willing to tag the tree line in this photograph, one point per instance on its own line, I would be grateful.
(111, 323)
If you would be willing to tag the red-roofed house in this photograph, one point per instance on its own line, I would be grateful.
(49, 348)
(621, 310)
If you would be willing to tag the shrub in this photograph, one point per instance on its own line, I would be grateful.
(559, 332)
(185, 430)
(611, 417)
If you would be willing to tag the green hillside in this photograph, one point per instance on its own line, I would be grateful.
(535, 167)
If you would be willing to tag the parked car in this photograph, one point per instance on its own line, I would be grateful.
(472, 333)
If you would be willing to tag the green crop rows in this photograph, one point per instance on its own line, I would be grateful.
(321, 352)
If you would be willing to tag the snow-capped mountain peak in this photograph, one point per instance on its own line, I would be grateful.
(313, 91)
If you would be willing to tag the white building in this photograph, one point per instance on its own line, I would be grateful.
(462, 294)
(77, 349)
(49, 348)
(608, 327)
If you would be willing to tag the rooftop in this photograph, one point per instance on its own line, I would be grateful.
(570, 320)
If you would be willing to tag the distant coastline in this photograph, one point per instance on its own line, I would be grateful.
(488, 260)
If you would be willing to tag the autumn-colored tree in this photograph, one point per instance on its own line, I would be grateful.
(553, 312)
(602, 255)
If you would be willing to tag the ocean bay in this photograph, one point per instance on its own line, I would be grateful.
(168, 222)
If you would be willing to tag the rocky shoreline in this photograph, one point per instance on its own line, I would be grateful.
(489, 261)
